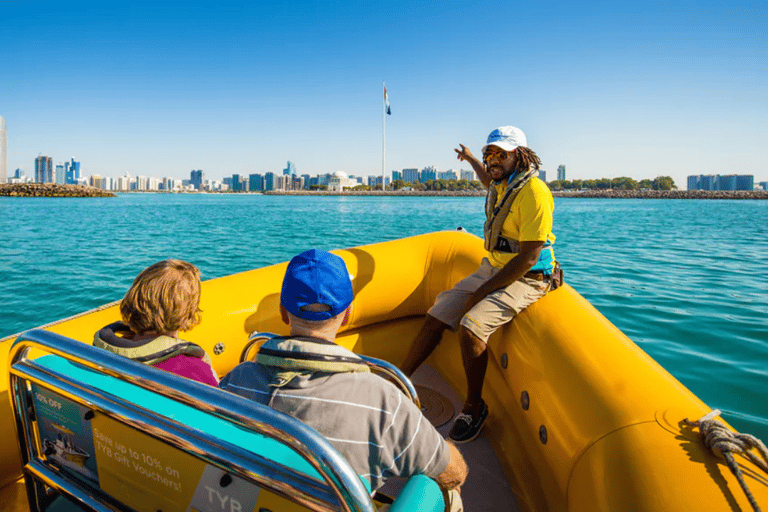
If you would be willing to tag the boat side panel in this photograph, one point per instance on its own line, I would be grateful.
(646, 467)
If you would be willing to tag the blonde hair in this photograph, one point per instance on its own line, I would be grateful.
(164, 298)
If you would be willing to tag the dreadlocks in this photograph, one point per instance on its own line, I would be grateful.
(526, 158)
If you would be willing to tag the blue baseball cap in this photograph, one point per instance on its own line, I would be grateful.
(316, 277)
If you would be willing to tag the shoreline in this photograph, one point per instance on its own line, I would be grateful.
(51, 190)
(56, 190)
(592, 194)
(663, 194)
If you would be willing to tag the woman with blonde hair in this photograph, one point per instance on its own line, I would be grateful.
(163, 300)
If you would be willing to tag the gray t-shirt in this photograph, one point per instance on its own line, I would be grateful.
(367, 419)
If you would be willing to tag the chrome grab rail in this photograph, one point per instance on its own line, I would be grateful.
(395, 374)
(378, 366)
(344, 484)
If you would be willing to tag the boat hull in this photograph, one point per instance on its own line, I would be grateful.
(580, 417)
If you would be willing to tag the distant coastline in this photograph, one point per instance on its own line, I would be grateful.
(51, 190)
(664, 194)
(602, 194)
(55, 190)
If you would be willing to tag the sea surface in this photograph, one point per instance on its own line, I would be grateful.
(687, 280)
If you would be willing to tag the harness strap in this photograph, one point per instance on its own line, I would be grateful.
(496, 211)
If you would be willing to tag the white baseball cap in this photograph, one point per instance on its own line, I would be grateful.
(507, 138)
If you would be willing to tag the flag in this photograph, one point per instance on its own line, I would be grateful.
(386, 102)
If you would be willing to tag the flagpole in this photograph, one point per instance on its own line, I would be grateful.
(383, 135)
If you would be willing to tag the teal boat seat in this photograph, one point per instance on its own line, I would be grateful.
(234, 442)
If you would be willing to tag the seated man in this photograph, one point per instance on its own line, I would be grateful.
(517, 271)
(163, 300)
(308, 376)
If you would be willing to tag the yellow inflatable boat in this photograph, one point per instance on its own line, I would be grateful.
(581, 419)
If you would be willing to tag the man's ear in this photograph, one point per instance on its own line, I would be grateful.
(284, 315)
(347, 314)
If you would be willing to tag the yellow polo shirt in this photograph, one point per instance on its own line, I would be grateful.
(529, 220)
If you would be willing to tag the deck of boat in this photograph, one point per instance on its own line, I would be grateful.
(486, 488)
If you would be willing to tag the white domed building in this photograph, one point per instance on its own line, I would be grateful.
(339, 181)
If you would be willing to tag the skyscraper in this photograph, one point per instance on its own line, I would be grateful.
(428, 173)
(410, 175)
(44, 169)
(290, 169)
(255, 183)
(3, 152)
(561, 173)
(196, 178)
(60, 174)
(269, 181)
(72, 171)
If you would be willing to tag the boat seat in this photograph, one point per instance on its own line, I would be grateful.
(102, 432)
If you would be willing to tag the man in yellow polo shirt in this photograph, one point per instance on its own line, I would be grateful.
(516, 273)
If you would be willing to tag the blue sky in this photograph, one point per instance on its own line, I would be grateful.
(606, 88)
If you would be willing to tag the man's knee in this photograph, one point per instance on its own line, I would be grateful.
(433, 324)
(470, 340)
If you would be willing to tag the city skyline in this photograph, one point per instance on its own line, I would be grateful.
(638, 90)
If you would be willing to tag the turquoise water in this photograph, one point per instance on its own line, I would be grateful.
(686, 280)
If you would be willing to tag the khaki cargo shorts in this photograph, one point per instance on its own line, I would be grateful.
(492, 312)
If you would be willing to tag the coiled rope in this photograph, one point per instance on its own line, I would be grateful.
(724, 443)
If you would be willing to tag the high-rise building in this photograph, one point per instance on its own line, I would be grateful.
(745, 182)
(102, 182)
(60, 177)
(561, 173)
(375, 182)
(71, 172)
(717, 182)
(397, 175)
(196, 178)
(708, 182)
(543, 175)
(289, 169)
(255, 182)
(239, 183)
(123, 182)
(3, 152)
(269, 181)
(410, 175)
(726, 182)
(428, 173)
(44, 170)
(470, 175)
(449, 175)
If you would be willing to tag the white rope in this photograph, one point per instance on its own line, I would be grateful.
(723, 442)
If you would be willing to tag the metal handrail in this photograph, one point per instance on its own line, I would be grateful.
(315, 449)
(395, 374)
(378, 366)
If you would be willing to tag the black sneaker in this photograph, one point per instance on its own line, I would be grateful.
(466, 428)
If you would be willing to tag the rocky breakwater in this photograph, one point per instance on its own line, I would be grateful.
(664, 194)
(51, 190)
